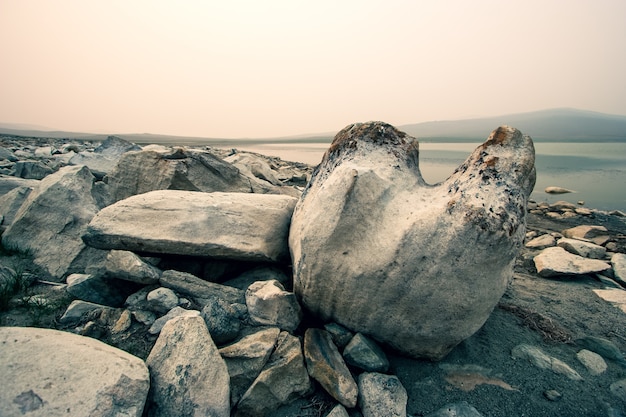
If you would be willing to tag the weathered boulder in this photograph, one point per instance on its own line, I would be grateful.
(557, 261)
(128, 266)
(326, 366)
(235, 226)
(246, 358)
(162, 168)
(43, 373)
(52, 220)
(187, 374)
(105, 157)
(369, 226)
(283, 379)
(382, 395)
(270, 305)
(11, 202)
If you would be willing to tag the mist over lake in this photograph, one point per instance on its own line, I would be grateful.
(596, 171)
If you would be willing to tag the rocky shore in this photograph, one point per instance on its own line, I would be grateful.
(157, 280)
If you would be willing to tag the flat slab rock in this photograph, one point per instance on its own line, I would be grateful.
(51, 373)
(237, 226)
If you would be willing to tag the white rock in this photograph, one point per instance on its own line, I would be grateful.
(594, 363)
(162, 300)
(596, 234)
(582, 248)
(539, 359)
(234, 226)
(269, 304)
(557, 261)
(128, 266)
(541, 242)
(381, 395)
(188, 375)
(50, 373)
(618, 261)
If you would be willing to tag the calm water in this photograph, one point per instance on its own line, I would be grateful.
(596, 171)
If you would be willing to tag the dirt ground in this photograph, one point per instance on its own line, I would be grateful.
(548, 313)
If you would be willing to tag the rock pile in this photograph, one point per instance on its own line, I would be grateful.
(187, 251)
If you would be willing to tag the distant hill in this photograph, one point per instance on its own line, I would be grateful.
(566, 125)
(545, 125)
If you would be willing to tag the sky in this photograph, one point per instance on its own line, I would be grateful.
(237, 69)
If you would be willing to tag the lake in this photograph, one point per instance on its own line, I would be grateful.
(596, 171)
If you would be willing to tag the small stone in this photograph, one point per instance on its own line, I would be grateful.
(619, 389)
(338, 411)
(592, 361)
(340, 335)
(552, 395)
(557, 190)
(123, 323)
(162, 300)
(582, 248)
(541, 242)
(542, 361)
(144, 317)
(460, 409)
(175, 312)
(79, 311)
(381, 395)
(222, 320)
(269, 304)
(603, 347)
(365, 354)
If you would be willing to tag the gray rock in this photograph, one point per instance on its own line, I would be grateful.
(6, 154)
(381, 395)
(234, 226)
(542, 361)
(261, 273)
(270, 305)
(618, 261)
(368, 225)
(138, 300)
(161, 168)
(254, 166)
(557, 261)
(34, 170)
(187, 374)
(365, 354)
(201, 291)
(618, 389)
(11, 202)
(52, 377)
(596, 234)
(594, 363)
(130, 267)
(553, 395)
(144, 317)
(541, 242)
(9, 182)
(460, 409)
(283, 379)
(97, 290)
(222, 320)
(246, 358)
(53, 218)
(338, 411)
(162, 300)
(582, 248)
(602, 347)
(326, 366)
(557, 190)
(339, 334)
(80, 311)
(158, 324)
(105, 157)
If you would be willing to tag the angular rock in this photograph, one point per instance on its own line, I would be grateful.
(11, 202)
(187, 374)
(283, 379)
(542, 361)
(234, 226)
(6, 154)
(594, 363)
(201, 291)
(618, 261)
(596, 234)
(138, 300)
(270, 305)
(365, 354)
(80, 311)
(616, 296)
(618, 389)
(130, 267)
(326, 366)
(161, 168)
(338, 411)
(105, 157)
(339, 334)
(33, 170)
(159, 323)
(52, 220)
(222, 320)
(460, 409)
(381, 395)
(246, 358)
(541, 242)
(557, 261)
(582, 248)
(368, 225)
(7, 183)
(261, 273)
(97, 290)
(43, 373)
(254, 166)
(162, 300)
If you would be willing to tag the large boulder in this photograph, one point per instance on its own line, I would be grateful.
(162, 168)
(234, 226)
(51, 373)
(188, 375)
(415, 266)
(52, 220)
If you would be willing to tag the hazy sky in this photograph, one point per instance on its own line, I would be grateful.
(274, 68)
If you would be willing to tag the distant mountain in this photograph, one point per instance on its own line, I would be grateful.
(545, 125)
